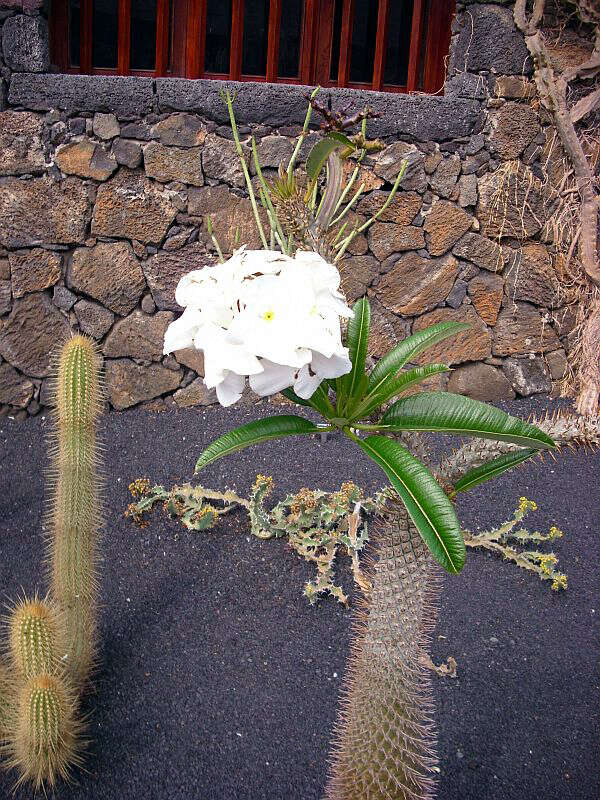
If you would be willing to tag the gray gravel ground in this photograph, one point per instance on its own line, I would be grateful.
(219, 682)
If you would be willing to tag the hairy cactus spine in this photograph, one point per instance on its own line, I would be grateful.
(45, 742)
(36, 640)
(5, 701)
(384, 744)
(75, 501)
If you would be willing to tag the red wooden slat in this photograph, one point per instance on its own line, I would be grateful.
(162, 38)
(202, 36)
(380, 45)
(437, 44)
(124, 37)
(415, 45)
(345, 43)
(273, 40)
(59, 34)
(237, 40)
(193, 65)
(85, 33)
(307, 44)
(322, 42)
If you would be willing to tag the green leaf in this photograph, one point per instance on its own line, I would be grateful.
(319, 155)
(357, 340)
(396, 386)
(425, 500)
(444, 412)
(342, 139)
(319, 400)
(408, 349)
(492, 469)
(254, 433)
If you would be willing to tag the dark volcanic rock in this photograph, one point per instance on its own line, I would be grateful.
(31, 333)
(489, 40)
(25, 44)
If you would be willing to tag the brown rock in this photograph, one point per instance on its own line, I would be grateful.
(86, 159)
(365, 176)
(33, 270)
(445, 224)
(273, 151)
(483, 252)
(93, 319)
(386, 238)
(389, 161)
(131, 206)
(512, 203)
(357, 273)
(229, 213)
(4, 269)
(5, 297)
(557, 364)
(520, 329)
(445, 177)
(110, 273)
(173, 164)
(138, 336)
(105, 126)
(195, 394)
(164, 270)
(402, 210)
(30, 334)
(180, 130)
(20, 143)
(532, 277)
(528, 375)
(220, 161)
(486, 293)
(481, 382)
(514, 126)
(127, 152)
(514, 86)
(383, 332)
(40, 211)
(192, 358)
(472, 344)
(129, 383)
(15, 390)
(416, 284)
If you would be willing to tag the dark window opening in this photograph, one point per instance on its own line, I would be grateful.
(389, 45)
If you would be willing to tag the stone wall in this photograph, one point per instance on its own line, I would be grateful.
(106, 185)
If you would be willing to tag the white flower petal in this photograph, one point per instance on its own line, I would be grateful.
(273, 379)
(230, 389)
(335, 366)
(181, 332)
(306, 384)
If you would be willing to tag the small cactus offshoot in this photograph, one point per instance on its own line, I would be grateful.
(45, 741)
(37, 641)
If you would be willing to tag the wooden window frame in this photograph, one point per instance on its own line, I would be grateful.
(183, 56)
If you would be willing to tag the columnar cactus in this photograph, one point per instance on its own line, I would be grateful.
(45, 743)
(76, 508)
(51, 642)
(383, 745)
(36, 638)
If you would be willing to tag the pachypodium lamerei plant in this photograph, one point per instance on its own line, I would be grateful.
(52, 641)
(394, 741)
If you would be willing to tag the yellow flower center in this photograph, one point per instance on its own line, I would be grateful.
(269, 315)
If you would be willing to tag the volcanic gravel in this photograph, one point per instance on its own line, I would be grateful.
(218, 680)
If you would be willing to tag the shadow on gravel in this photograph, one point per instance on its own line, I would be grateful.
(218, 681)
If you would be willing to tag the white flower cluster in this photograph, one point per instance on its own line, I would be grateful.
(264, 315)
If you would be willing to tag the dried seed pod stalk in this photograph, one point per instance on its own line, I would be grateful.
(384, 745)
(75, 515)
